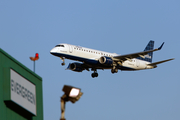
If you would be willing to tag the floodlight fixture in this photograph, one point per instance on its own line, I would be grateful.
(72, 94)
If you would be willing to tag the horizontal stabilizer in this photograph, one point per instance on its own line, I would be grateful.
(153, 64)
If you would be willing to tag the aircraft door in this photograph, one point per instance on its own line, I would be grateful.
(70, 48)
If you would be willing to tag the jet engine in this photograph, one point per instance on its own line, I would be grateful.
(75, 67)
(106, 60)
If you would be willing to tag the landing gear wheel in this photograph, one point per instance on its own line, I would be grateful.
(62, 64)
(94, 75)
(114, 70)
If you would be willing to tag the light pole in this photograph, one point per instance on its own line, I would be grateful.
(70, 94)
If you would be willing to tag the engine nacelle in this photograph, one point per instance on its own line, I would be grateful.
(75, 67)
(106, 60)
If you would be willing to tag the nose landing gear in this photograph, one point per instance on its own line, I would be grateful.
(63, 63)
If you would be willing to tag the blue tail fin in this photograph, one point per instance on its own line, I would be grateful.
(149, 56)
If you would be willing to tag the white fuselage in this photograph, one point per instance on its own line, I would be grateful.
(81, 53)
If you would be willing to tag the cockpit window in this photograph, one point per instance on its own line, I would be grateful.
(59, 46)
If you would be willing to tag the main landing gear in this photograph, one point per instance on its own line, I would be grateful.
(63, 63)
(95, 74)
(114, 70)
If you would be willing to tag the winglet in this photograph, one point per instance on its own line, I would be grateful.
(161, 46)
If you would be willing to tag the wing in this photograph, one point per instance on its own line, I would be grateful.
(135, 55)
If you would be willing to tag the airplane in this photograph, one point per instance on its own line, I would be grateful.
(95, 59)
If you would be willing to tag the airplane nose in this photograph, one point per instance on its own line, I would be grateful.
(54, 50)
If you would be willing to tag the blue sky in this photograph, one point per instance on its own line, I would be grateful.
(117, 26)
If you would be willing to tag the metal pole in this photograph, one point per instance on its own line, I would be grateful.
(34, 66)
(63, 103)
